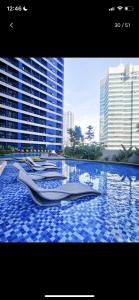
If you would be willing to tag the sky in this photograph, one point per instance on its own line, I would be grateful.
(82, 87)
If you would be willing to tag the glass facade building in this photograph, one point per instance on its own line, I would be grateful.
(31, 103)
(119, 107)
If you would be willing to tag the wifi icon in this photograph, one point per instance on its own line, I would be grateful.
(119, 7)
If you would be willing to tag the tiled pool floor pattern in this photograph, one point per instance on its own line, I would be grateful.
(111, 217)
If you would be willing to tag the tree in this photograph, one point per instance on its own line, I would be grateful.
(90, 133)
(136, 151)
(71, 133)
(76, 136)
(124, 154)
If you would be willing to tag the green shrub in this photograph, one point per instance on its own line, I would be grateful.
(2, 152)
(36, 158)
(93, 151)
(136, 151)
(124, 154)
(115, 158)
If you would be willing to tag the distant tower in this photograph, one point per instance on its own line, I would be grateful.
(119, 107)
(68, 123)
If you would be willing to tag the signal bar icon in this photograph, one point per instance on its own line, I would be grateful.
(112, 9)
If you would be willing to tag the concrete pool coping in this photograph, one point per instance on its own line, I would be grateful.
(81, 159)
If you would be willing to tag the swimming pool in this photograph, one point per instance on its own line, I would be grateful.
(111, 217)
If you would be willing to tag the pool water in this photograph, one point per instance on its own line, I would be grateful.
(111, 217)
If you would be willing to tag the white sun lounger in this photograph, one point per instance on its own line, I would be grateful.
(44, 175)
(38, 164)
(39, 167)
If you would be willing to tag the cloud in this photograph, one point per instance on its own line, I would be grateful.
(67, 104)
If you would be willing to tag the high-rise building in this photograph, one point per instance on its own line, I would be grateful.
(119, 107)
(68, 123)
(31, 102)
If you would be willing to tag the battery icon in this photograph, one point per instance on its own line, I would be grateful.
(129, 8)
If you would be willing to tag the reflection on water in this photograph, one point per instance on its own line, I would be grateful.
(67, 171)
(93, 168)
(103, 177)
(110, 179)
(86, 178)
(117, 206)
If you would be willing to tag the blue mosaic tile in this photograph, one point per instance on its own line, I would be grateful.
(111, 217)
